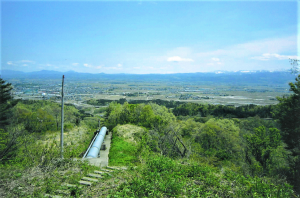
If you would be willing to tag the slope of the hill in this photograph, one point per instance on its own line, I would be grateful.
(197, 157)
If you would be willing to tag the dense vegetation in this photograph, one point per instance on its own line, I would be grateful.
(251, 147)
(178, 149)
(201, 110)
(168, 104)
(192, 109)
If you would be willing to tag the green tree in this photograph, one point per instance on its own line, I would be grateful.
(288, 114)
(261, 144)
(6, 103)
(7, 140)
(220, 138)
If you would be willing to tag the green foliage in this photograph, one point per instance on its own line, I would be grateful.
(189, 127)
(234, 148)
(104, 102)
(288, 115)
(248, 125)
(33, 122)
(36, 181)
(6, 103)
(157, 179)
(163, 177)
(91, 122)
(220, 138)
(262, 143)
(204, 110)
(3, 140)
(149, 116)
(122, 153)
(42, 116)
(7, 137)
(100, 110)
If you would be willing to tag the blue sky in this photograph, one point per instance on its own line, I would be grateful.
(148, 37)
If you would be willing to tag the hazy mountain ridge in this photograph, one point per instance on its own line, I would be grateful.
(256, 77)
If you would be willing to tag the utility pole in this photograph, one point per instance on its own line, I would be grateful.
(62, 118)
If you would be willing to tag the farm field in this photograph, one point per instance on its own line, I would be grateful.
(82, 90)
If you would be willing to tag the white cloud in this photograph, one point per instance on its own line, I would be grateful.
(215, 59)
(27, 61)
(120, 65)
(179, 59)
(20, 63)
(268, 56)
(252, 48)
(94, 68)
(75, 64)
(87, 65)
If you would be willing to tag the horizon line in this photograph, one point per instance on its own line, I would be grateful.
(216, 72)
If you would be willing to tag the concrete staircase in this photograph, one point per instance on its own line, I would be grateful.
(88, 180)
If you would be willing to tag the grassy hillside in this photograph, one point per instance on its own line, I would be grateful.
(33, 166)
(194, 157)
(156, 175)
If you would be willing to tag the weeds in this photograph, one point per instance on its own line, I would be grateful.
(164, 177)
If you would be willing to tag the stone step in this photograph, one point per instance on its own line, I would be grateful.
(102, 173)
(110, 171)
(69, 185)
(90, 179)
(113, 168)
(99, 172)
(52, 196)
(64, 192)
(85, 183)
(94, 175)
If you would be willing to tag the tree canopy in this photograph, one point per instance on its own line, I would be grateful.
(6, 103)
(288, 114)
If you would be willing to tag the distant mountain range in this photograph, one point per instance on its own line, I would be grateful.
(238, 78)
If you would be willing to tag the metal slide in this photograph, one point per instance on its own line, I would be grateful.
(94, 150)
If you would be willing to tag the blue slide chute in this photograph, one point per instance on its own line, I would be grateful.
(95, 149)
